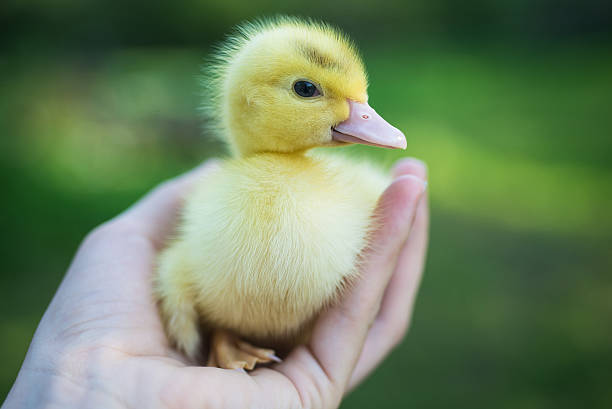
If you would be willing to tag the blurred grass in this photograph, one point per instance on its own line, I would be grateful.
(514, 304)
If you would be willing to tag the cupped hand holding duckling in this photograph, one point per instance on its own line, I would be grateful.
(101, 342)
(273, 237)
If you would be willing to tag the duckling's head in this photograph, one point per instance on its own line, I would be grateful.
(289, 85)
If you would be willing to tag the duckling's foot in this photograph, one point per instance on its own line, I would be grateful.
(230, 352)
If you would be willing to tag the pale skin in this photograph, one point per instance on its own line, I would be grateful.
(101, 343)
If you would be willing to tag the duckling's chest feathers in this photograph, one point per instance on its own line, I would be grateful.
(272, 238)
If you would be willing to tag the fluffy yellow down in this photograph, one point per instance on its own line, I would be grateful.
(270, 238)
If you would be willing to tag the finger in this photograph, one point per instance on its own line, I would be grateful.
(397, 304)
(328, 360)
(155, 214)
(207, 387)
(396, 308)
(160, 383)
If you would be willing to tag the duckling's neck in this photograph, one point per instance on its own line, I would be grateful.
(294, 155)
(244, 143)
(290, 164)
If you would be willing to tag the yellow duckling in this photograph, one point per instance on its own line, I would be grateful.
(270, 238)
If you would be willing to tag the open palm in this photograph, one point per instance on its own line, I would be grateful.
(101, 342)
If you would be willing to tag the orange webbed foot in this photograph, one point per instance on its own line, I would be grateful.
(230, 352)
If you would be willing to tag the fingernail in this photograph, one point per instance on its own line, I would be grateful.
(413, 177)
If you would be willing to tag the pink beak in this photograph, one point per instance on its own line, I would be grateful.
(365, 126)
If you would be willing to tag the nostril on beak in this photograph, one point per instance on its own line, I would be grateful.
(365, 116)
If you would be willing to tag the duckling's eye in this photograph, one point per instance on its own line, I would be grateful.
(306, 89)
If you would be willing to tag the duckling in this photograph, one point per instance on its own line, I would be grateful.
(271, 238)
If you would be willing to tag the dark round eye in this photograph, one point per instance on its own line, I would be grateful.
(306, 89)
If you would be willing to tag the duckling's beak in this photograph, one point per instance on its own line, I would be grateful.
(365, 126)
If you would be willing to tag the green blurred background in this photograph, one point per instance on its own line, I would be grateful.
(509, 102)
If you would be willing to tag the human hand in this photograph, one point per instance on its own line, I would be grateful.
(101, 342)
